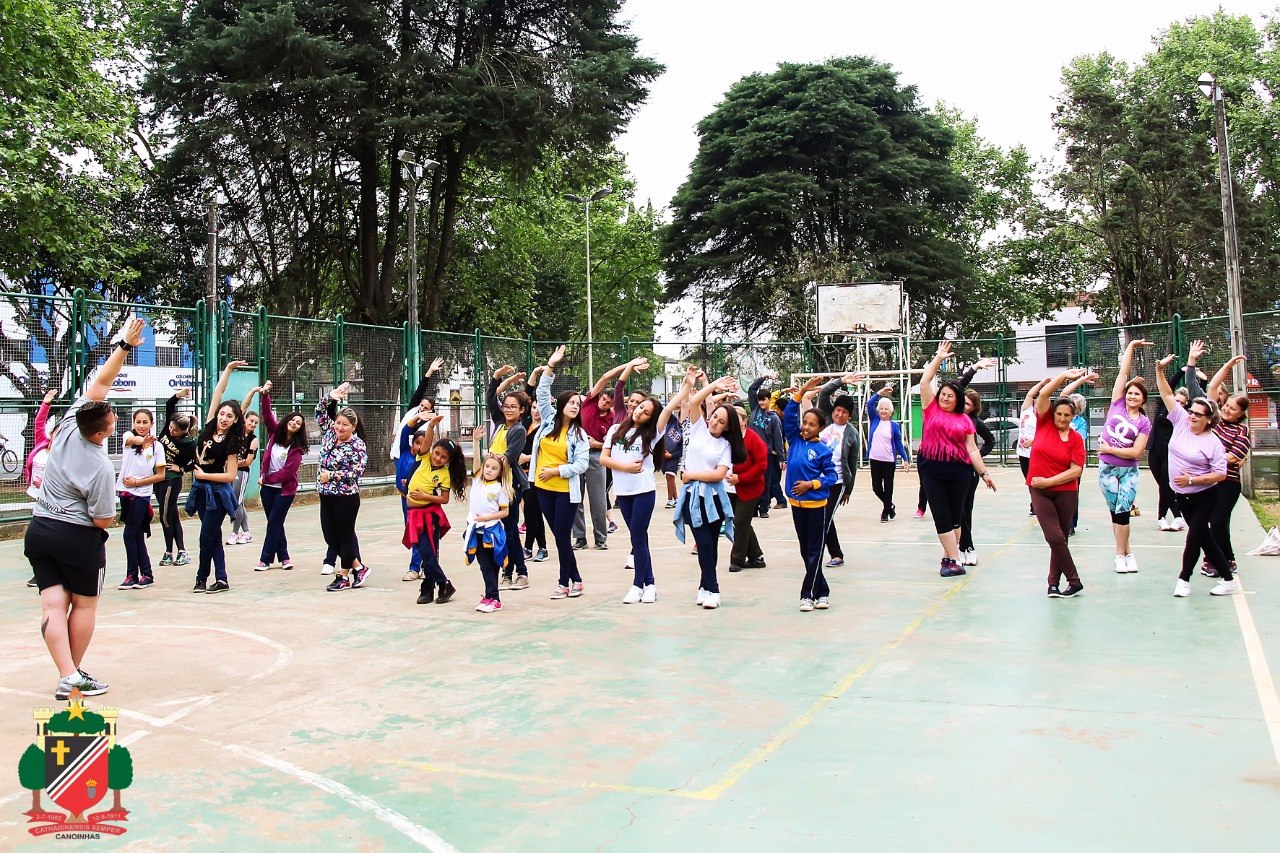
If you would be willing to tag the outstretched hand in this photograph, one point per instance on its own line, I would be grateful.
(557, 356)
(132, 332)
(1166, 361)
(436, 364)
(1196, 352)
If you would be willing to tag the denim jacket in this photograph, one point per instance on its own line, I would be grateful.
(579, 447)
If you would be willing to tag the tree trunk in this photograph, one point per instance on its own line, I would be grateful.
(115, 802)
(35, 800)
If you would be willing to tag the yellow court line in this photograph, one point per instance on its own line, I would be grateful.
(735, 773)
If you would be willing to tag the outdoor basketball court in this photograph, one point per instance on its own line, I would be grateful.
(917, 713)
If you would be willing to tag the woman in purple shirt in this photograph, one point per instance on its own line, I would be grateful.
(1123, 440)
(1197, 464)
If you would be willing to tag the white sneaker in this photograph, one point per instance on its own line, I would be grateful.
(411, 575)
(1178, 525)
(1122, 565)
(631, 561)
(970, 557)
(326, 569)
(633, 595)
(822, 603)
(702, 597)
(806, 604)
(650, 594)
(1130, 564)
(712, 602)
(1164, 525)
(245, 538)
(232, 539)
(1181, 589)
(1230, 587)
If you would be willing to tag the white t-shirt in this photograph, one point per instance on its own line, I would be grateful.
(486, 498)
(832, 436)
(704, 451)
(279, 455)
(632, 484)
(1026, 431)
(38, 462)
(137, 464)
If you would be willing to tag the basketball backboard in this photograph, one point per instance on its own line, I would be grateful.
(861, 308)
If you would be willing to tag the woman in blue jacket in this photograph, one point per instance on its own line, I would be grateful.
(884, 449)
(811, 472)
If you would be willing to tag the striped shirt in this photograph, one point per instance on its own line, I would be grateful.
(1236, 442)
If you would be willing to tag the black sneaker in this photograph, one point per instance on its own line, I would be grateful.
(1054, 592)
(884, 517)
(734, 567)
(32, 583)
(764, 513)
(951, 569)
(427, 594)
(360, 575)
(199, 587)
(218, 586)
(779, 505)
(757, 563)
(893, 511)
(447, 590)
(1208, 570)
(600, 546)
(1072, 589)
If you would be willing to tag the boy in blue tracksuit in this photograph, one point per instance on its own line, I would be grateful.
(811, 472)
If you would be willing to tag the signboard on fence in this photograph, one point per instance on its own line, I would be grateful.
(862, 308)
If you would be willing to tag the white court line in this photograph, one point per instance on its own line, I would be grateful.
(1262, 679)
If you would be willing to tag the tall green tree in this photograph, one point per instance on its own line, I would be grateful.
(297, 114)
(830, 171)
(31, 773)
(1140, 186)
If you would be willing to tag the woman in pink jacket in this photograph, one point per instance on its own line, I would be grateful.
(279, 481)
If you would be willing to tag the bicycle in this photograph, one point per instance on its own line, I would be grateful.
(8, 459)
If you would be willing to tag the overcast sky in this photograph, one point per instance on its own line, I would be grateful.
(999, 62)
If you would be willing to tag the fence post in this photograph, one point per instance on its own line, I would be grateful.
(528, 355)
(1080, 346)
(1176, 339)
(339, 350)
(224, 334)
(1002, 393)
(807, 361)
(75, 347)
(407, 372)
(263, 344)
(478, 376)
(626, 356)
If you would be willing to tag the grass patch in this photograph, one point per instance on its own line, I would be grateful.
(1267, 510)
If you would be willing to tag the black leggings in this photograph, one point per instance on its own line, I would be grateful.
(966, 514)
(946, 500)
(167, 500)
(1197, 509)
(882, 481)
(338, 524)
(1159, 464)
(1220, 521)
(831, 538)
(515, 554)
(535, 530)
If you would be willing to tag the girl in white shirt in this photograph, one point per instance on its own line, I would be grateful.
(142, 465)
(628, 452)
(485, 535)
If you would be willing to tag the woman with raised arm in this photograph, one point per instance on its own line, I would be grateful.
(212, 495)
(1027, 431)
(278, 480)
(1057, 461)
(535, 527)
(1158, 447)
(1233, 431)
(141, 467)
(41, 438)
(714, 443)
(1197, 464)
(507, 410)
(178, 438)
(1121, 445)
(420, 409)
(845, 442)
(558, 460)
(948, 458)
(240, 534)
(884, 448)
(343, 459)
(629, 451)
(811, 480)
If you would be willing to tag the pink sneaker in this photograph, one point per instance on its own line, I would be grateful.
(575, 589)
(494, 605)
(485, 606)
(919, 513)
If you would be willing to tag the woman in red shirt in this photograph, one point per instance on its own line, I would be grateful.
(1057, 461)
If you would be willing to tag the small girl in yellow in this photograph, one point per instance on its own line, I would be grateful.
(486, 537)
(440, 470)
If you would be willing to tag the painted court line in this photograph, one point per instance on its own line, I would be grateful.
(1262, 679)
(544, 780)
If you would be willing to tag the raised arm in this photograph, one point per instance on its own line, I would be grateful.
(1072, 386)
(323, 416)
(268, 413)
(248, 398)
(931, 372)
(171, 405)
(1044, 398)
(477, 460)
(1190, 379)
(607, 377)
(39, 429)
(1032, 393)
(724, 383)
(827, 392)
(1162, 382)
(215, 401)
(1221, 376)
(100, 387)
(1126, 367)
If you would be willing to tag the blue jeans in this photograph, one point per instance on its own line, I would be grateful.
(559, 513)
(637, 510)
(274, 542)
(134, 512)
(211, 550)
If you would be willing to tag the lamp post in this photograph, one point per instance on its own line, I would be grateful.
(413, 172)
(1235, 312)
(586, 202)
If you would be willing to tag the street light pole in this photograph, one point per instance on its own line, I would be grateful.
(586, 202)
(210, 342)
(412, 173)
(1235, 310)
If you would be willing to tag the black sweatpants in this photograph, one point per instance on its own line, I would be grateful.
(831, 537)
(1197, 510)
(167, 503)
(1220, 521)
(882, 481)
(966, 514)
(338, 524)
(812, 524)
(1159, 464)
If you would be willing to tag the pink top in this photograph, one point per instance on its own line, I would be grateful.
(39, 440)
(944, 437)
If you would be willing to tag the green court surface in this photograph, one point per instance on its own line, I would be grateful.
(918, 713)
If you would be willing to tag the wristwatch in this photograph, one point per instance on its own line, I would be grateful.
(124, 345)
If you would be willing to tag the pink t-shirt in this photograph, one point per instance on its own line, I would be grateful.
(944, 436)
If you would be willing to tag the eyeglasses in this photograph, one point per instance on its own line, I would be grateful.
(1196, 413)
(510, 406)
